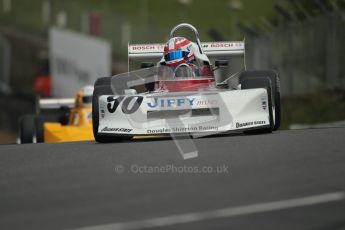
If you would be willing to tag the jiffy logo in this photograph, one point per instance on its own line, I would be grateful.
(171, 102)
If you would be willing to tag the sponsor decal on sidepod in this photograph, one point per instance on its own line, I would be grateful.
(170, 102)
(178, 102)
(248, 124)
(106, 129)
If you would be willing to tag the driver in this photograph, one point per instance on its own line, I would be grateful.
(179, 51)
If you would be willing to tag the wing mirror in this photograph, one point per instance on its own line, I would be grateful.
(145, 65)
(221, 63)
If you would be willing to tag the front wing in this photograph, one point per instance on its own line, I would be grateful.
(179, 113)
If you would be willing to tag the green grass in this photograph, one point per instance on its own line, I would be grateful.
(203, 14)
(322, 107)
(151, 20)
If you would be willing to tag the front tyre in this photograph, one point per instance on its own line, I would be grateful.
(26, 131)
(39, 128)
(101, 138)
(255, 83)
(103, 81)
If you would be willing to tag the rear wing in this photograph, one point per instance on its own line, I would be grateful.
(211, 49)
(56, 103)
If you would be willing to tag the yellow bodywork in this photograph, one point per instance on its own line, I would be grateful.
(79, 127)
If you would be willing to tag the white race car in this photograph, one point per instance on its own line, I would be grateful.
(187, 97)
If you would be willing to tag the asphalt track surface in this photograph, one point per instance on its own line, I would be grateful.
(285, 180)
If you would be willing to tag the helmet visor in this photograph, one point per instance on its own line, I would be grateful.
(175, 55)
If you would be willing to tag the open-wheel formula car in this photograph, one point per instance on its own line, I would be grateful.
(59, 120)
(184, 94)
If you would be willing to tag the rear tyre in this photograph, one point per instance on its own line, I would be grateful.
(99, 91)
(255, 83)
(26, 130)
(103, 81)
(275, 84)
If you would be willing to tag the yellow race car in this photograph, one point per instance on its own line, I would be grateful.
(59, 120)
